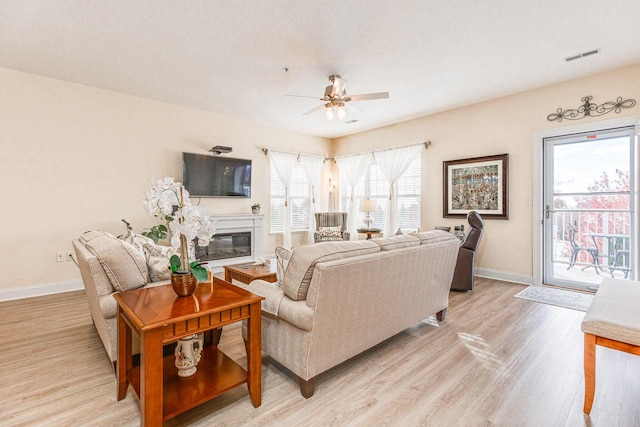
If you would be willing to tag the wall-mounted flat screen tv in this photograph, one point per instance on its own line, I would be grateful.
(209, 176)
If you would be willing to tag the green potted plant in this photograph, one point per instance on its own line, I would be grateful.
(155, 233)
(255, 208)
(187, 223)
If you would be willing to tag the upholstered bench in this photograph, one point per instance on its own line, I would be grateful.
(612, 320)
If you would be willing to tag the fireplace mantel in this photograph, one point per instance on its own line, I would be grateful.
(235, 223)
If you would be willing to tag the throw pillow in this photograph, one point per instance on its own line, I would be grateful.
(330, 231)
(159, 268)
(156, 256)
(282, 262)
(123, 264)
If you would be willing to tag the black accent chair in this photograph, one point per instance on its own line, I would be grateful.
(465, 266)
(576, 248)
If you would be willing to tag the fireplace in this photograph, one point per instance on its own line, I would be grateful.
(238, 239)
(226, 246)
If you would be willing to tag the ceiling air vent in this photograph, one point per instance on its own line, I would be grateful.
(348, 122)
(582, 55)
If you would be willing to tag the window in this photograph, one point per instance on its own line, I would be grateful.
(375, 186)
(299, 193)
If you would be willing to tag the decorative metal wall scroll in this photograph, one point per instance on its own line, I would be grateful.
(589, 109)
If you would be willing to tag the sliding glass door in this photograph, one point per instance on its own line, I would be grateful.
(589, 198)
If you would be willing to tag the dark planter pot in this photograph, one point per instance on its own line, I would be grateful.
(184, 284)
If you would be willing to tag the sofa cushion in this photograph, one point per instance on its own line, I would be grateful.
(123, 264)
(396, 242)
(433, 236)
(297, 276)
(614, 314)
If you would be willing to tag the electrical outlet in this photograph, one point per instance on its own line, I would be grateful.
(60, 257)
(69, 257)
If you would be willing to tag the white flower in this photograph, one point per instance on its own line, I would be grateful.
(196, 224)
(190, 221)
(163, 195)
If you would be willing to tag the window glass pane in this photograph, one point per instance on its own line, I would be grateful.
(601, 165)
(299, 213)
(593, 201)
(378, 185)
(409, 190)
(299, 193)
(374, 186)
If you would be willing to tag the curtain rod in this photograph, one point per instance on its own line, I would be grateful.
(266, 151)
(426, 146)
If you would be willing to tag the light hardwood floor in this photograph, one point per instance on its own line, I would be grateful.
(495, 361)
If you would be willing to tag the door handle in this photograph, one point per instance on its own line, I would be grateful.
(547, 211)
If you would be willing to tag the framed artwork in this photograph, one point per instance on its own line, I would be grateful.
(477, 184)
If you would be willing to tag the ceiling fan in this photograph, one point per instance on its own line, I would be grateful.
(336, 98)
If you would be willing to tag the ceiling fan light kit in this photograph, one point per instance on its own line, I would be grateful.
(328, 112)
(340, 114)
(335, 98)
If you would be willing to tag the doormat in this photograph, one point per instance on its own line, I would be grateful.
(558, 297)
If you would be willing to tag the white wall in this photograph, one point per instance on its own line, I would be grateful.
(504, 125)
(76, 158)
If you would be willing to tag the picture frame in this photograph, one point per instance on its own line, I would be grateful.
(476, 184)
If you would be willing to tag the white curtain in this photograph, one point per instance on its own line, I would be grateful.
(312, 166)
(284, 163)
(394, 163)
(352, 168)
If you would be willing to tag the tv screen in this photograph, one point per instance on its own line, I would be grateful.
(208, 176)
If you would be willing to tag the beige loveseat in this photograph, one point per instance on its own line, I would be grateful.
(335, 300)
(109, 265)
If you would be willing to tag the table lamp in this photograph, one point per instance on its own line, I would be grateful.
(367, 206)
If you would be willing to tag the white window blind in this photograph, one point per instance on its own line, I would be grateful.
(298, 199)
(374, 186)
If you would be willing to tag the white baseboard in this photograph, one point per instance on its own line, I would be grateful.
(40, 290)
(504, 276)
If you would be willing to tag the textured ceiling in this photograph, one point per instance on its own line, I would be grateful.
(228, 57)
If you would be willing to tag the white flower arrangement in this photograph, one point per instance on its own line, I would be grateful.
(169, 199)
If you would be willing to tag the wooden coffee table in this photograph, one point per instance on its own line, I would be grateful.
(158, 316)
(246, 273)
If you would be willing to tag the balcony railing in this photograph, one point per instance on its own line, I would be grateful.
(603, 234)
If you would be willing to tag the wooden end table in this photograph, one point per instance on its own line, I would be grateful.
(369, 231)
(246, 273)
(158, 316)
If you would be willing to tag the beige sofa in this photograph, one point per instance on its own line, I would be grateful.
(109, 265)
(336, 299)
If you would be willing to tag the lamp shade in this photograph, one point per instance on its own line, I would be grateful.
(367, 205)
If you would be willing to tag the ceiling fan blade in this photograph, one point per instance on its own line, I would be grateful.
(339, 86)
(313, 110)
(369, 96)
(306, 97)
